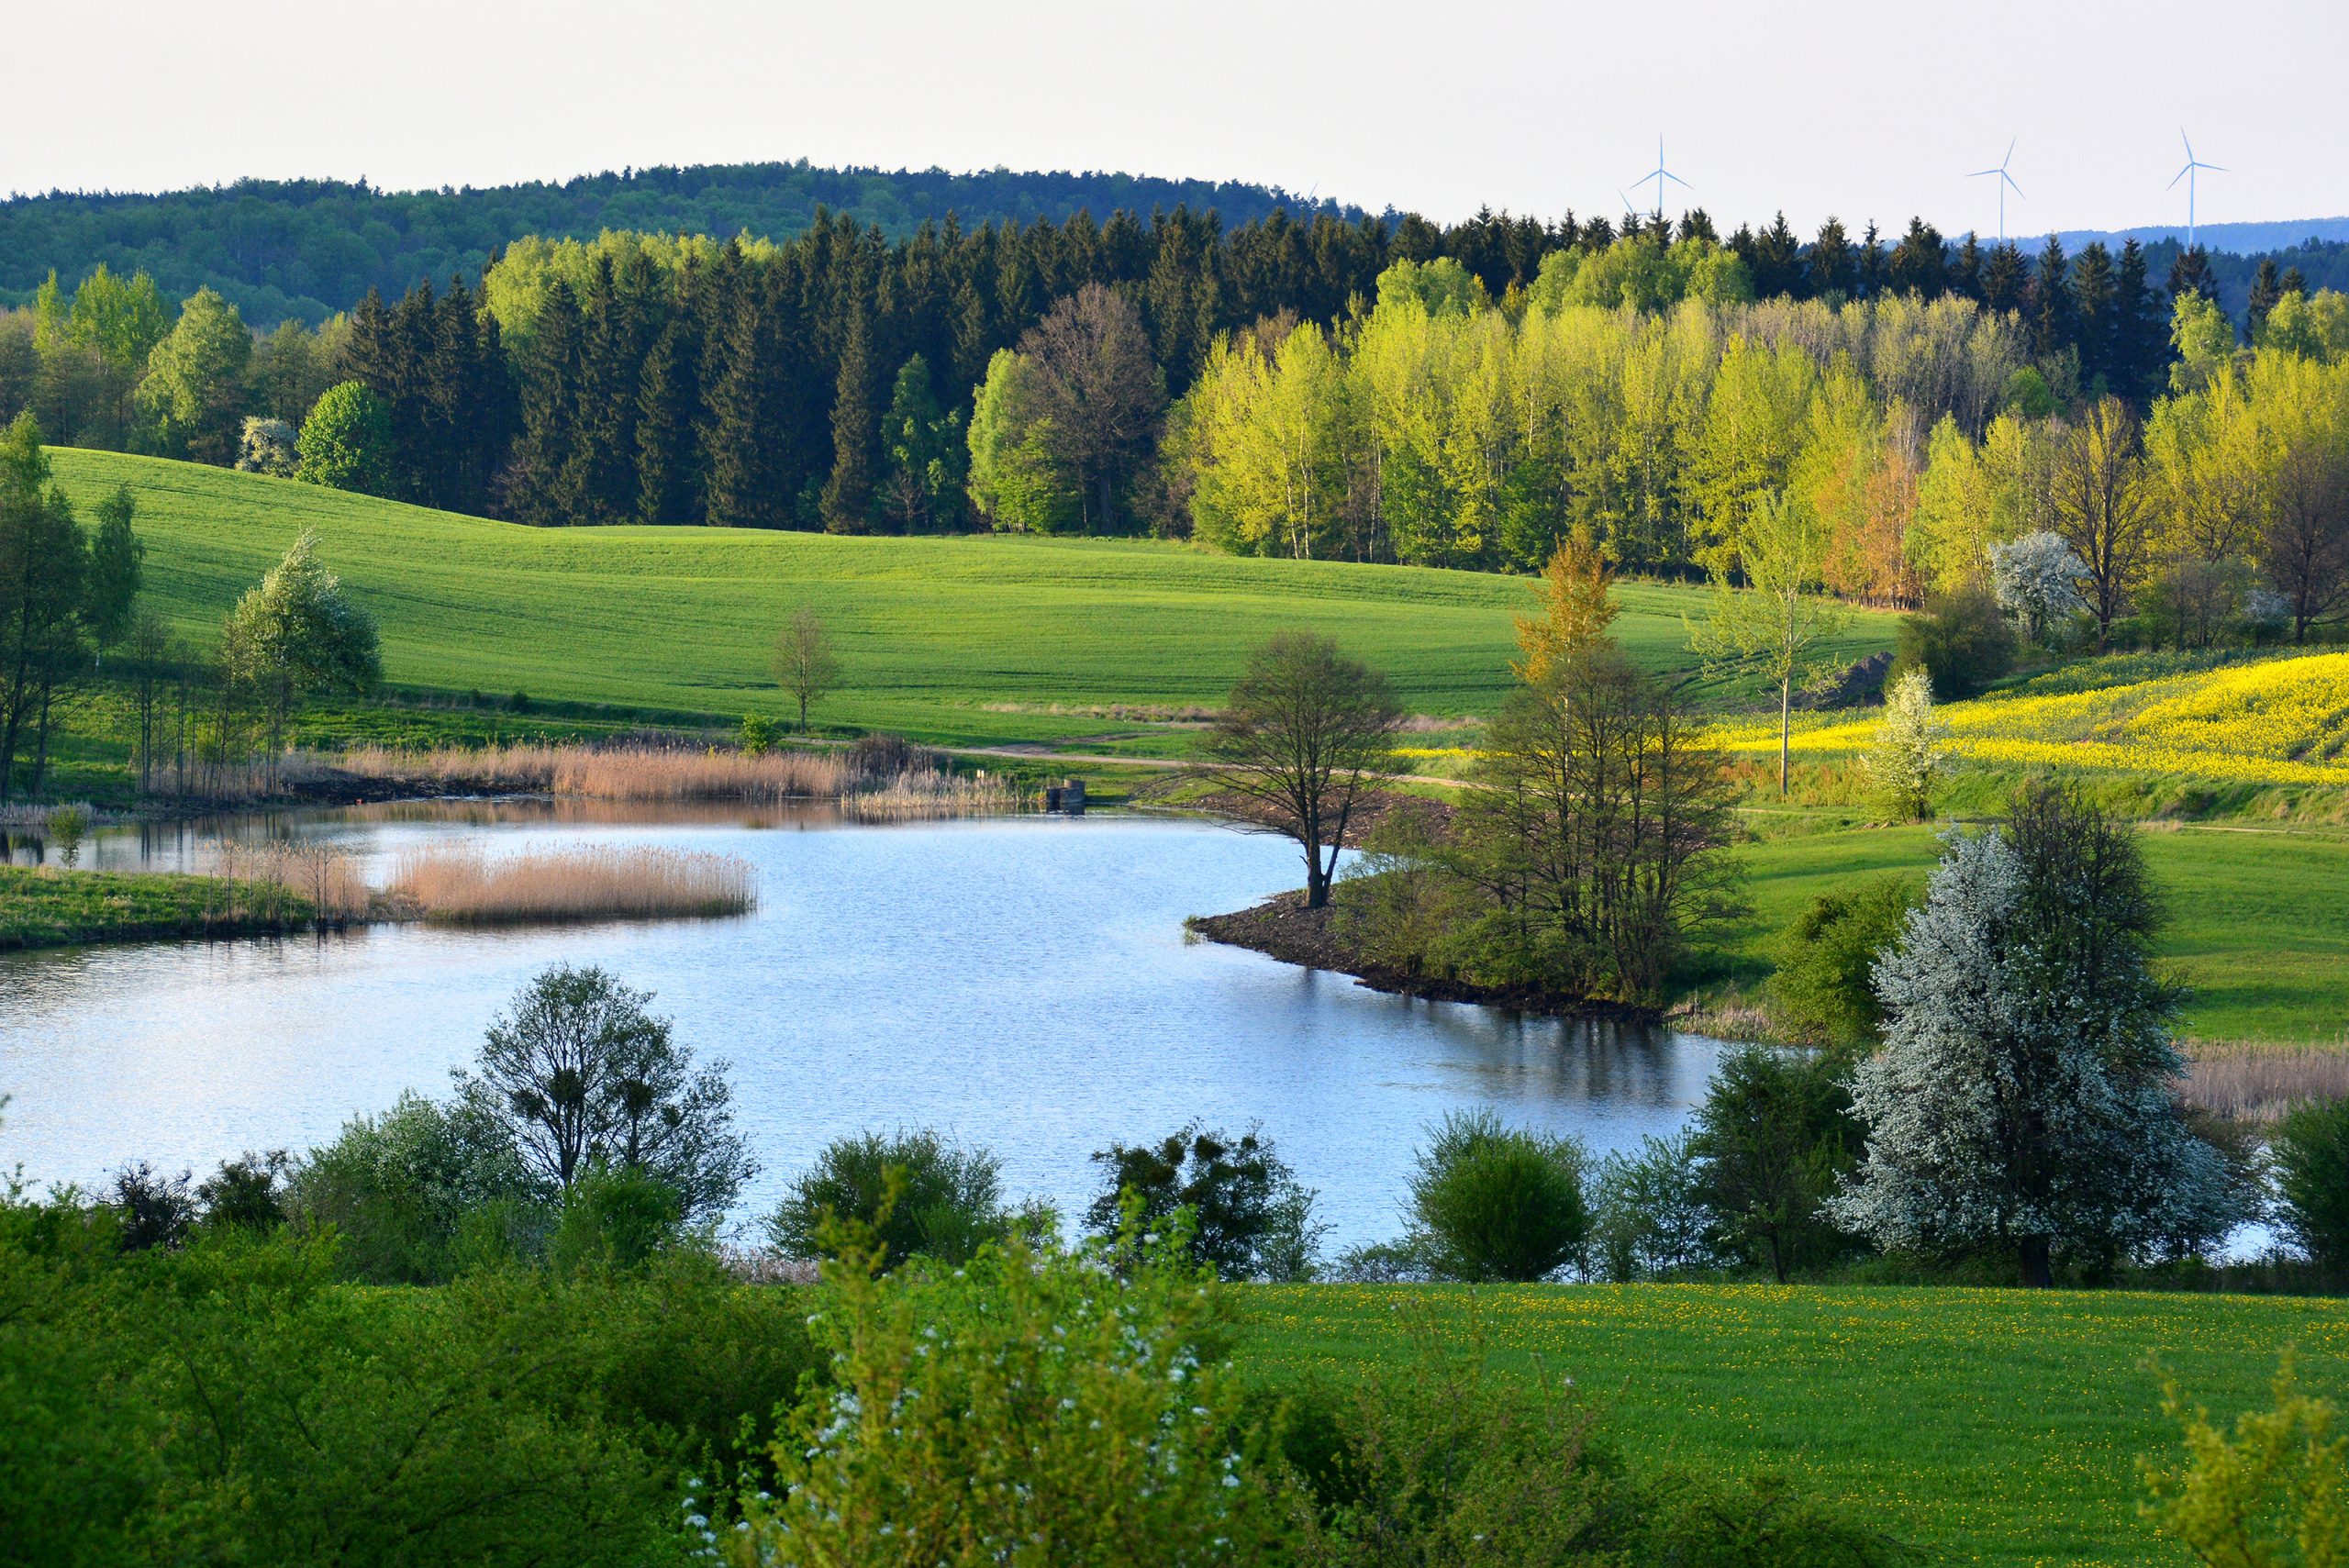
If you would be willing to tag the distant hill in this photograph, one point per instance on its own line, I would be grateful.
(2235, 238)
(308, 248)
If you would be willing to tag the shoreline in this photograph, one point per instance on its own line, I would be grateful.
(1282, 927)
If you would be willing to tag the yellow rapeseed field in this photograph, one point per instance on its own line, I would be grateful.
(2279, 721)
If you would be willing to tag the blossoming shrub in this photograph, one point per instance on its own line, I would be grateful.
(1038, 1407)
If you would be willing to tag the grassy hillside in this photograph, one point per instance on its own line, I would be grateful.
(969, 640)
(1994, 1427)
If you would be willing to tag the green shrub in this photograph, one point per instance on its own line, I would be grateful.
(759, 734)
(2273, 1495)
(1490, 1202)
(916, 1192)
(2311, 1154)
(1648, 1214)
(1034, 1406)
(1822, 988)
(246, 1194)
(1959, 638)
(616, 1217)
(1249, 1217)
(418, 1193)
(1772, 1138)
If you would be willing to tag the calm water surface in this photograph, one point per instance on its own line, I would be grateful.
(1023, 983)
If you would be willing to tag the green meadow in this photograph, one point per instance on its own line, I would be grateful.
(1992, 1427)
(971, 639)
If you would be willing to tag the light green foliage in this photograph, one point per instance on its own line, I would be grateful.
(2273, 1495)
(191, 401)
(1438, 287)
(759, 734)
(418, 1193)
(120, 319)
(1823, 988)
(1778, 624)
(1648, 1216)
(298, 629)
(2204, 339)
(1641, 273)
(1911, 753)
(346, 443)
(2312, 327)
(923, 454)
(1015, 483)
(269, 446)
(1491, 1202)
(1270, 444)
(1035, 1408)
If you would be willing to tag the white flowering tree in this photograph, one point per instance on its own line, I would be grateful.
(1910, 752)
(2022, 1102)
(2037, 581)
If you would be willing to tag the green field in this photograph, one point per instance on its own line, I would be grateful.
(2258, 930)
(968, 638)
(1989, 1426)
(48, 908)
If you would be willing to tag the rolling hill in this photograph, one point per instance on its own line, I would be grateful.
(965, 638)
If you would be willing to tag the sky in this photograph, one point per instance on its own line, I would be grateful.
(1861, 110)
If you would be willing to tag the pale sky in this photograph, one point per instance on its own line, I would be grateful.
(1864, 110)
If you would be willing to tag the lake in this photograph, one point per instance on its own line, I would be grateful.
(1022, 982)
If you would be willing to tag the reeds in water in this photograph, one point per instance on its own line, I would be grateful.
(2261, 1083)
(321, 875)
(463, 882)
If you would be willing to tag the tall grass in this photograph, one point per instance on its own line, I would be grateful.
(462, 882)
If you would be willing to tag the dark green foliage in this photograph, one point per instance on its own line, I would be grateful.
(245, 1193)
(1822, 987)
(1491, 1203)
(1772, 1138)
(620, 1217)
(848, 494)
(2311, 1154)
(915, 1192)
(152, 1210)
(1960, 639)
(115, 557)
(1249, 1217)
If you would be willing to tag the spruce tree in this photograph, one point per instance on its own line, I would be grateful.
(2051, 329)
(2141, 355)
(540, 480)
(2095, 318)
(668, 398)
(2267, 288)
(2006, 280)
(601, 466)
(847, 495)
(2190, 272)
(1833, 268)
(1780, 256)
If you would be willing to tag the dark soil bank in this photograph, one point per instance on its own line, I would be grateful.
(1283, 927)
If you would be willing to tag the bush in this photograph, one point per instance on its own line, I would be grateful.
(1910, 752)
(1035, 1406)
(1959, 639)
(1496, 1203)
(616, 1217)
(2311, 1155)
(1249, 1217)
(759, 734)
(245, 1193)
(915, 1192)
(346, 443)
(1823, 990)
(2276, 1494)
(1649, 1219)
(420, 1193)
(155, 1210)
(1772, 1141)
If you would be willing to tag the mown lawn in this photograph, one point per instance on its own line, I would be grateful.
(963, 639)
(2257, 927)
(49, 907)
(1992, 1427)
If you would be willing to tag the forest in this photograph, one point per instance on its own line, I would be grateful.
(1462, 398)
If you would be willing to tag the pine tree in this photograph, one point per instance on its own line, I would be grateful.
(1833, 268)
(2141, 353)
(1919, 263)
(601, 466)
(2051, 329)
(668, 398)
(2190, 272)
(2096, 316)
(1966, 272)
(539, 485)
(1779, 257)
(2267, 288)
(2006, 280)
(847, 495)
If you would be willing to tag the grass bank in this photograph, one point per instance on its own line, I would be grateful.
(1993, 1427)
(972, 640)
(41, 907)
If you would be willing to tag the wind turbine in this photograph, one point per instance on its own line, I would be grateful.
(2005, 180)
(2186, 174)
(1660, 174)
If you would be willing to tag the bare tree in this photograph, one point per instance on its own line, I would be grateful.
(1101, 391)
(2101, 505)
(805, 664)
(1305, 731)
(2304, 538)
(1778, 623)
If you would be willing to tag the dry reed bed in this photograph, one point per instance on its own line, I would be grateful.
(321, 875)
(462, 882)
(2261, 1083)
(911, 781)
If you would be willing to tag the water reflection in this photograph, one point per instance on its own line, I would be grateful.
(1021, 982)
